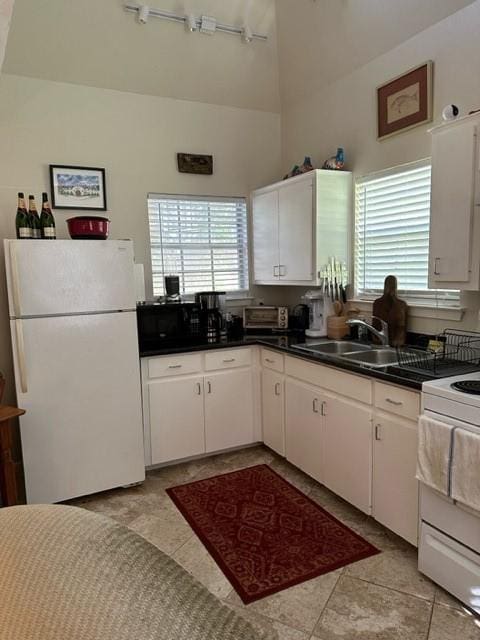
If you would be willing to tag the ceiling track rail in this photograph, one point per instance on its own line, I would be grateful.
(202, 24)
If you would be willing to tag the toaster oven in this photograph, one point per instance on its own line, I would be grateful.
(264, 317)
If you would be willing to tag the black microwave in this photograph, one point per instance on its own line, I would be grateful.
(167, 324)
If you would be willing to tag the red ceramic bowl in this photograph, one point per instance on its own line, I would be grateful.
(88, 228)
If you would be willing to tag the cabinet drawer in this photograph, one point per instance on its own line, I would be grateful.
(228, 359)
(273, 360)
(346, 384)
(163, 366)
(396, 400)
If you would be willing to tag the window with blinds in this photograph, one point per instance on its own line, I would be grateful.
(392, 222)
(201, 239)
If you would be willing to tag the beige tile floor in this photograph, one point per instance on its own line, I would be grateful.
(381, 598)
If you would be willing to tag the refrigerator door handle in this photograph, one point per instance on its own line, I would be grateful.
(15, 280)
(21, 356)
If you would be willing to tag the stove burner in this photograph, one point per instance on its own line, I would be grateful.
(467, 386)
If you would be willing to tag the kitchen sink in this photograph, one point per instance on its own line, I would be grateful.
(377, 357)
(334, 347)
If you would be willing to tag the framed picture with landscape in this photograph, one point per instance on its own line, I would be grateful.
(78, 187)
(406, 101)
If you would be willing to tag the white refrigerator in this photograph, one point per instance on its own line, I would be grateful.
(75, 350)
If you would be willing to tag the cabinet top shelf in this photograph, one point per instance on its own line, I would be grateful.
(458, 121)
(304, 177)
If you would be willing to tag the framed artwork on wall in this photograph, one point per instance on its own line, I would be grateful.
(195, 163)
(78, 187)
(406, 101)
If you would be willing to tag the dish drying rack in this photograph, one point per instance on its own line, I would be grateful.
(460, 353)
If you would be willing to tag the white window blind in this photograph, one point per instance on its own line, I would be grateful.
(392, 222)
(201, 239)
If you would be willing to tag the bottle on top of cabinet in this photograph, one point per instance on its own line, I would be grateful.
(22, 220)
(47, 221)
(34, 218)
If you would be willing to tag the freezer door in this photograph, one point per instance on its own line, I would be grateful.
(78, 379)
(60, 277)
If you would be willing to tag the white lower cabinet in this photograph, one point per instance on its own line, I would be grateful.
(176, 418)
(228, 409)
(273, 413)
(348, 451)
(304, 438)
(189, 415)
(395, 488)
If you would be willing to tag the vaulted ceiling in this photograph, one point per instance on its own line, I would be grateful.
(97, 43)
(322, 40)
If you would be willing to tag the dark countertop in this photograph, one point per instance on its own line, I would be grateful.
(286, 344)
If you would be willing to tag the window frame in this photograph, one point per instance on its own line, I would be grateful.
(244, 254)
(416, 297)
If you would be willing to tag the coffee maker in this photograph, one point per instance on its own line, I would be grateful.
(212, 314)
(319, 309)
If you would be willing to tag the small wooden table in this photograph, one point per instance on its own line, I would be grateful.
(9, 468)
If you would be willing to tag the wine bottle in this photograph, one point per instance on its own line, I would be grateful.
(34, 218)
(47, 221)
(22, 220)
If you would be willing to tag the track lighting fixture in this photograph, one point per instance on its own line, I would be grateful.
(191, 23)
(205, 24)
(208, 25)
(247, 35)
(143, 13)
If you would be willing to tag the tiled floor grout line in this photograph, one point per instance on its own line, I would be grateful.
(382, 586)
(431, 617)
(328, 600)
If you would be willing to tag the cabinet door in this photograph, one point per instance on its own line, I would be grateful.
(273, 410)
(395, 488)
(304, 438)
(295, 205)
(348, 451)
(229, 409)
(176, 418)
(451, 218)
(265, 237)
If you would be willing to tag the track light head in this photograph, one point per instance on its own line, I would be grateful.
(247, 35)
(143, 13)
(191, 23)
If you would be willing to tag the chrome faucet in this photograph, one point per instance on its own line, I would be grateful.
(381, 335)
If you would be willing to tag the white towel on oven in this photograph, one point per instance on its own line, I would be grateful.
(465, 478)
(434, 450)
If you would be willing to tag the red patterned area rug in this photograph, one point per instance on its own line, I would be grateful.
(264, 534)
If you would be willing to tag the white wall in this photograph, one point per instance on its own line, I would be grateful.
(136, 139)
(344, 112)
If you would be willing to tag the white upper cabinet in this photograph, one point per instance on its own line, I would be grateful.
(265, 236)
(454, 225)
(298, 224)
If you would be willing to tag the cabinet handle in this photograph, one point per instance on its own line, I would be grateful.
(323, 408)
(378, 432)
(174, 366)
(229, 360)
(269, 361)
(199, 389)
(275, 274)
(209, 387)
(280, 267)
(396, 403)
(315, 405)
(436, 272)
(277, 388)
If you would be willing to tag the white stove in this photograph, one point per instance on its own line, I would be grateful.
(449, 545)
(445, 398)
